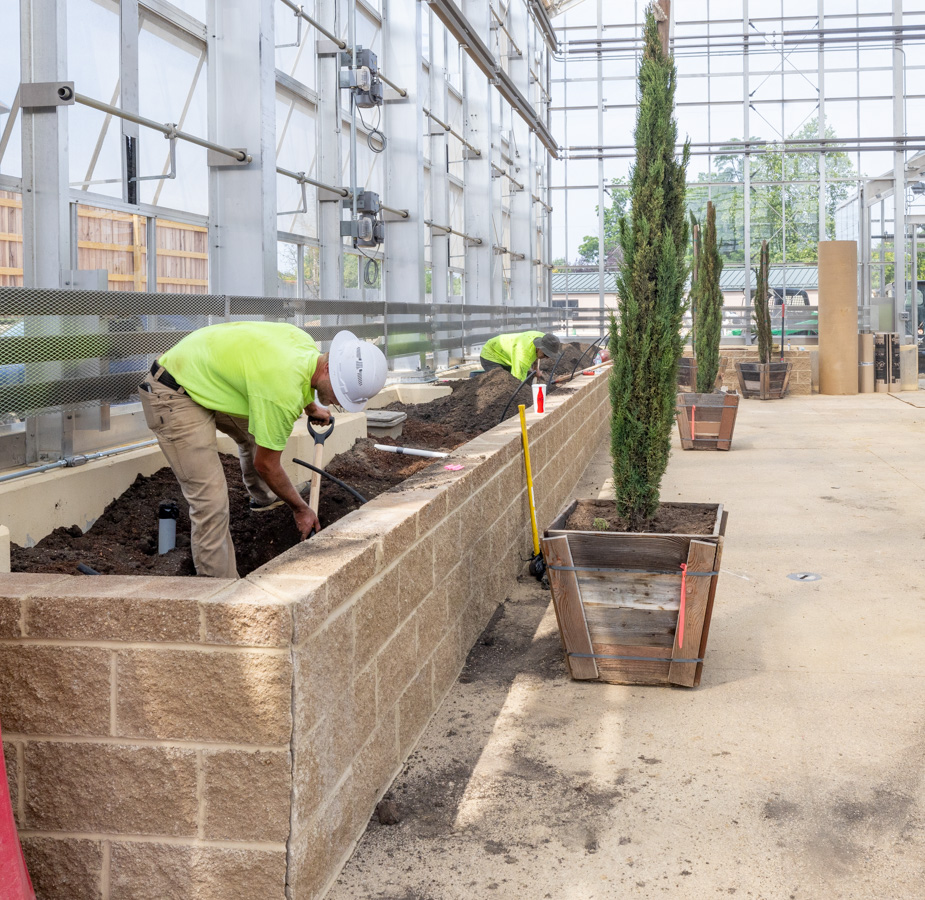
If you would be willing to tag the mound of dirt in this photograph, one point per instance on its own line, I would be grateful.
(123, 540)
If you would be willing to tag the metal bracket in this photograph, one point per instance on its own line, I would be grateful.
(298, 35)
(324, 47)
(45, 94)
(216, 160)
(303, 208)
(471, 154)
(173, 163)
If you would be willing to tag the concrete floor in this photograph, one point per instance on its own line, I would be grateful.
(794, 771)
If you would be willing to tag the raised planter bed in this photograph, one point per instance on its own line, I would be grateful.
(618, 598)
(707, 421)
(158, 729)
(764, 381)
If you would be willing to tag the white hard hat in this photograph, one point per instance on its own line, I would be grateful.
(358, 370)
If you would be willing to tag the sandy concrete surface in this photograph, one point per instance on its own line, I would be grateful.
(794, 771)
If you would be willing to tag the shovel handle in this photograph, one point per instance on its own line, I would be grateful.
(316, 478)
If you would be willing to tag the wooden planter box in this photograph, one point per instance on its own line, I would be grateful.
(763, 381)
(706, 421)
(617, 597)
(687, 373)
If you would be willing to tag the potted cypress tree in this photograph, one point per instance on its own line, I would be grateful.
(764, 380)
(706, 417)
(633, 581)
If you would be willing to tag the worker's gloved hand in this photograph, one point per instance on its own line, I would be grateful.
(318, 413)
(306, 521)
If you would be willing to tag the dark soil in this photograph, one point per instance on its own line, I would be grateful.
(123, 540)
(671, 518)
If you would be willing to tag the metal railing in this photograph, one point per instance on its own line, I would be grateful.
(63, 348)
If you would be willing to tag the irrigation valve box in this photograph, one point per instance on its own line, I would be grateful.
(363, 79)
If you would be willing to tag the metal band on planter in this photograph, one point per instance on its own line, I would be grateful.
(633, 658)
(628, 571)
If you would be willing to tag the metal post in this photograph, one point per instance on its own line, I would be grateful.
(439, 183)
(821, 157)
(899, 180)
(523, 233)
(478, 180)
(601, 242)
(329, 161)
(747, 175)
(242, 113)
(128, 91)
(404, 171)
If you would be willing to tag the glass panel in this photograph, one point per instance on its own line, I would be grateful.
(296, 140)
(115, 242)
(10, 241)
(287, 269)
(182, 258)
(93, 64)
(11, 157)
(172, 88)
(298, 62)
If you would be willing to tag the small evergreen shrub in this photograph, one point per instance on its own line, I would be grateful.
(709, 307)
(650, 284)
(762, 313)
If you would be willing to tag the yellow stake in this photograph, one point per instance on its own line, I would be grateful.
(523, 432)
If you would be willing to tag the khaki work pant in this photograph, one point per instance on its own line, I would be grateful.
(186, 433)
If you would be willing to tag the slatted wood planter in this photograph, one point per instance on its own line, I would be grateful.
(618, 601)
(763, 381)
(687, 372)
(706, 421)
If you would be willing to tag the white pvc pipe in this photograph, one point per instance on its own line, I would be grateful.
(411, 451)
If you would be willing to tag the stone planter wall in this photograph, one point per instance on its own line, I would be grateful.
(801, 376)
(171, 737)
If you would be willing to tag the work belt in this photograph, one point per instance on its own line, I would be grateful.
(165, 377)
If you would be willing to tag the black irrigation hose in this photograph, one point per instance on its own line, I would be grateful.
(84, 569)
(580, 358)
(555, 366)
(337, 481)
(509, 402)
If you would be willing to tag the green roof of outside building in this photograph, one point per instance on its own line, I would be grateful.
(804, 278)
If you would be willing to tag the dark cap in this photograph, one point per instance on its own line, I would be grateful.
(549, 344)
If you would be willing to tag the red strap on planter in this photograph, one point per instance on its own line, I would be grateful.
(683, 604)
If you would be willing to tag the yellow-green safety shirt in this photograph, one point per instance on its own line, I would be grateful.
(515, 350)
(260, 371)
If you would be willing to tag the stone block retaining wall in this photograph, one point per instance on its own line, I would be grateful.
(801, 378)
(200, 738)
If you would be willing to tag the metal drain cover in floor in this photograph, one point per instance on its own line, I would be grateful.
(804, 576)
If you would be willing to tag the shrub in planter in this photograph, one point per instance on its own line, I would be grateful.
(634, 601)
(764, 380)
(706, 417)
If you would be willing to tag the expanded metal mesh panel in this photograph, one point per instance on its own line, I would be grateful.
(77, 348)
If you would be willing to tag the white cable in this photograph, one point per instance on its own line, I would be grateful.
(411, 451)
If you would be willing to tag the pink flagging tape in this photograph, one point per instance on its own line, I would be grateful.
(454, 468)
(683, 604)
(693, 422)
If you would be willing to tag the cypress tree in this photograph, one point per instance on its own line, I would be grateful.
(762, 313)
(709, 307)
(650, 284)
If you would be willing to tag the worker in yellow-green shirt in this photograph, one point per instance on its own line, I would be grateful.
(251, 381)
(519, 352)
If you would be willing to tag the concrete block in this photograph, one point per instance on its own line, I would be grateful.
(323, 666)
(432, 619)
(449, 545)
(10, 618)
(243, 697)
(113, 618)
(308, 596)
(347, 563)
(116, 789)
(246, 795)
(246, 615)
(64, 869)
(390, 519)
(378, 613)
(446, 662)
(17, 585)
(4, 550)
(11, 761)
(416, 578)
(176, 872)
(374, 767)
(396, 666)
(55, 690)
(310, 867)
(415, 708)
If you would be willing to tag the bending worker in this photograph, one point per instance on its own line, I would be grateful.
(519, 352)
(250, 380)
